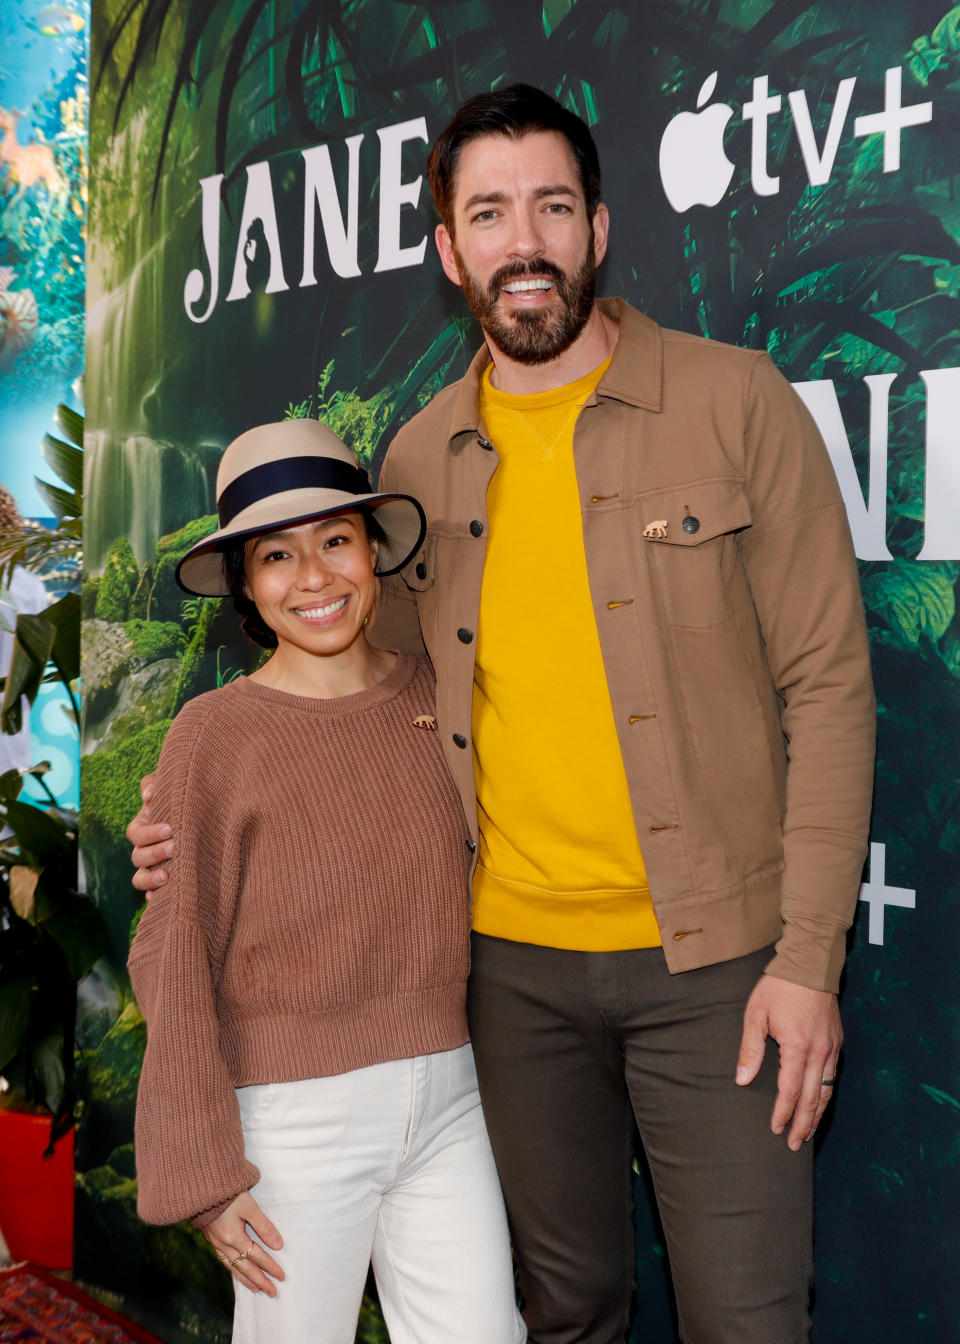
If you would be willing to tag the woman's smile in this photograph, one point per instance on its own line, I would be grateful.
(316, 614)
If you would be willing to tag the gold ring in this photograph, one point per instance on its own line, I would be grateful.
(242, 1256)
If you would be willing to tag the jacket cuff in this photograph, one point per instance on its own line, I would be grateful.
(810, 953)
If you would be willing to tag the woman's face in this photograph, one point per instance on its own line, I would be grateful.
(313, 584)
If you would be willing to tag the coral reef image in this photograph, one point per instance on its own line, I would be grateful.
(44, 104)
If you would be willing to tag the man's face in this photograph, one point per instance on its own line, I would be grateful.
(523, 250)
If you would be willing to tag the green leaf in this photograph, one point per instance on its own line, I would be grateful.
(72, 424)
(63, 503)
(65, 617)
(48, 1065)
(11, 782)
(43, 834)
(15, 1004)
(914, 601)
(67, 461)
(31, 649)
(940, 1097)
(79, 931)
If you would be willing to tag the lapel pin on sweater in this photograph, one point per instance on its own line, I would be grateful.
(425, 721)
(657, 530)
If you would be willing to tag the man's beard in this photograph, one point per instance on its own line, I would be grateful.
(539, 335)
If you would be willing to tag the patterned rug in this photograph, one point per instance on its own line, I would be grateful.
(36, 1308)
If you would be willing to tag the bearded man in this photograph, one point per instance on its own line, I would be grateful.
(640, 598)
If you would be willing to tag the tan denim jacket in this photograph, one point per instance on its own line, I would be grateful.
(728, 606)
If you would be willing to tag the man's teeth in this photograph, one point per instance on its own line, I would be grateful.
(317, 613)
(521, 286)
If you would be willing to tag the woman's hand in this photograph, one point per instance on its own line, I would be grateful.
(246, 1259)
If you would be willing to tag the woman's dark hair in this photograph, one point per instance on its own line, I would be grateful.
(234, 569)
(515, 111)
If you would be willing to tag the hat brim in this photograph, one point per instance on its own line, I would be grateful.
(201, 571)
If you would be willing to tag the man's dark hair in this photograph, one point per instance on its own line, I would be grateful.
(234, 569)
(514, 112)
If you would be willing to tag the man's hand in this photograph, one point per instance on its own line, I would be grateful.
(151, 844)
(805, 1023)
(250, 1262)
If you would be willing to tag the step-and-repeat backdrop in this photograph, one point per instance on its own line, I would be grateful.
(781, 175)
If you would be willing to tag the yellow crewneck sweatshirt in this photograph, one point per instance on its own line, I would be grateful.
(559, 860)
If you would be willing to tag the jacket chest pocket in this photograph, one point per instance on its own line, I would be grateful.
(691, 534)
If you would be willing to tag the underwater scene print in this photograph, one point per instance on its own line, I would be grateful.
(44, 115)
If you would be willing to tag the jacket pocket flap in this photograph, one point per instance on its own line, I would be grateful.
(692, 514)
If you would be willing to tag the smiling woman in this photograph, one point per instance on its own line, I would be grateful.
(308, 1096)
(295, 570)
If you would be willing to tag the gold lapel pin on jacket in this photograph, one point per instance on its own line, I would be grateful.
(425, 721)
(656, 530)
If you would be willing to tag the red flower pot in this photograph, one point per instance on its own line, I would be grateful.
(36, 1192)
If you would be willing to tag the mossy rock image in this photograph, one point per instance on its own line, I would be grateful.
(152, 640)
(216, 652)
(370, 1327)
(114, 1067)
(111, 780)
(121, 573)
(165, 596)
(113, 651)
(187, 1289)
(140, 600)
(143, 698)
(107, 652)
(88, 597)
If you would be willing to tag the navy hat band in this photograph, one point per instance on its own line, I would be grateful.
(289, 473)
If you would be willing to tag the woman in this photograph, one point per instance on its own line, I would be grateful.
(308, 1095)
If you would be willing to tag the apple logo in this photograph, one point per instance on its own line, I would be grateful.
(694, 169)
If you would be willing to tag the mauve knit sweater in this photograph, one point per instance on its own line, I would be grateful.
(315, 920)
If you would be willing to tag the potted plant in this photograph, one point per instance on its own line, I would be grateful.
(50, 933)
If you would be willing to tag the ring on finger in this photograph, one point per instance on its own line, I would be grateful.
(828, 1082)
(242, 1256)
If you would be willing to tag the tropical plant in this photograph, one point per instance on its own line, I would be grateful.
(57, 551)
(50, 937)
(50, 934)
(47, 646)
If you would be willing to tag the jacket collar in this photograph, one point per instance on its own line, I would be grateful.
(635, 375)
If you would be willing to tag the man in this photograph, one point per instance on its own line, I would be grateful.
(640, 598)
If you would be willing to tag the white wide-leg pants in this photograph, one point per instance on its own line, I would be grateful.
(389, 1164)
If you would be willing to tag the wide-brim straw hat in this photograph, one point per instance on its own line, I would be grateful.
(279, 475)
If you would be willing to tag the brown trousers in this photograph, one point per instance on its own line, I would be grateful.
(571, 1047)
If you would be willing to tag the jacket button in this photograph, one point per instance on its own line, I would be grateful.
(472, 846)
(459, 740)
(464, 635)
(485, 443)
(690, 524)
(476, 528)
(421, 570)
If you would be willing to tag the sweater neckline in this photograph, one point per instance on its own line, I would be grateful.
(393, 683)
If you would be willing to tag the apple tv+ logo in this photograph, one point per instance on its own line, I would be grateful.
(694, 167)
